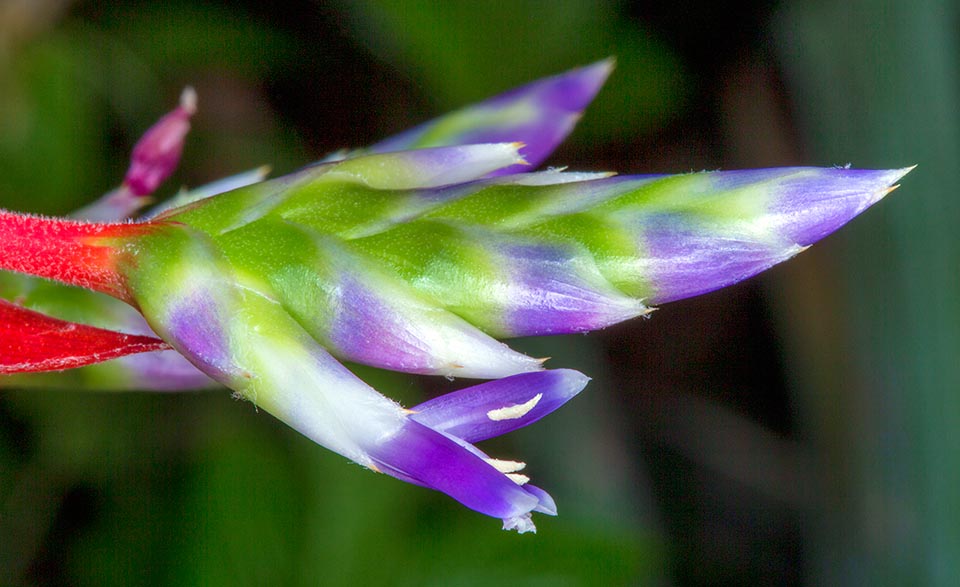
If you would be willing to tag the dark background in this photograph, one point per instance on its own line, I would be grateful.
(798, 428)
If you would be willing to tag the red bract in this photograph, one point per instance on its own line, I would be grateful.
(31, 341)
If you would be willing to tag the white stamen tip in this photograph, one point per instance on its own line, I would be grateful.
(518, 478)
(522, 524)
(507, 466)
(514, 412)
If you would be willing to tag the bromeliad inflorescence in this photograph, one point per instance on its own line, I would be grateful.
(416, 254)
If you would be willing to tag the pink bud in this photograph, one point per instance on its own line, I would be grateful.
(157, 153)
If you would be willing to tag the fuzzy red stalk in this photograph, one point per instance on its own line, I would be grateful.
(77, 253)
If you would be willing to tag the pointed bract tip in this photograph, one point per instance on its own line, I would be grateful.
(907, 170)
(35, 342)
(604, 66)
(595, 73)
(893, 176)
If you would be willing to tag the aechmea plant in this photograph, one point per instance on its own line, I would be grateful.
(416, 255)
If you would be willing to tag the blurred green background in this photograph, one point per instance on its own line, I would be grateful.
(799, 428)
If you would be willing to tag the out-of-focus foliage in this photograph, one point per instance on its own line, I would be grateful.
(879, 80)
(70, 90)
(442, 48)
